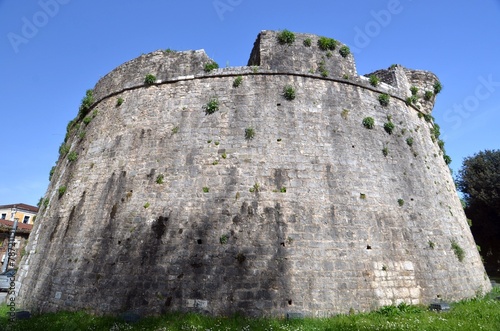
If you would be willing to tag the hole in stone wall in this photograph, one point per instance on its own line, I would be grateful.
(199, 241)
(282, 244)
(352, 146)
(278, 104)
(368, 247)
(119, 242)
(180, 231)
(180, 276)
(289, 302)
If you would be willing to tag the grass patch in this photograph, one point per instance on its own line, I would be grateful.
(368, 122)
(374, 80)
(344, 51)
(237, 81)
(209, 66)
(384, 99)
(482, 313)
(150, 79)
(289, 92)
(458, 250)
(327, 44)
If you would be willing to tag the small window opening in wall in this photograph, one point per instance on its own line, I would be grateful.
(289, 302)
(282, 244)
(199, 241)
(26, 219)
(119, 242)
(368, 247)
(278, 104)
(3, 216)
(352, 146)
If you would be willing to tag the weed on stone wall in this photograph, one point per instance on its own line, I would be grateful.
(384, 99)
(119, 102)
(249, 133)
(150, 79)
(212, 106)
(459, 252)
(374, 80)
(289, 92)
(286, 37)
(61, 190)
(389, 127)
(327, 44)
(237, 81)
(368, 122)
(344, 51)
(209, 66)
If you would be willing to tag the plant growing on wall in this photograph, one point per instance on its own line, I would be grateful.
(401, 202)
(327, 44)
(286, 37)
(160, 179)
(87, 102)
(374, 80)
(209, 66)
(344, 51)
(428, 95)
(119, 102)
(149, 79)
(384, 99)
(206, 189)
(289, 92)
(414, 90)
(223, 239)
(389, 127)
(308, 42)
(437, 87)
(368, 122)
(72, 156)
(212, 106)
(249, 133)
(385, 151)
(63, 149)
(61, 190)
(459, 252)
(409, 141)
(237, 81)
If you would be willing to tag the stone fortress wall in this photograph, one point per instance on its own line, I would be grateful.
(169, 208)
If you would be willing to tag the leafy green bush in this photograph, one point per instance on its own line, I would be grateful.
(212, 106)
(401, 202)
(237, 81)
(389, 127)
(119, 102)
(385, 151)
(368, 122)
(414, 90)
(87, 120)
(286, 37)
(289, 92)
(437, 87)
(223, 239)
(447, 159)
(87, 102)
(212, 65)
(72, 156)
(205, 189)
(428, 95)
(51, 173)
(374, 80)
(308, 42)
(409, 141)
(249, 133)
(64, 149)
(411, 100)
(384, 99)
(344, 51)
(327, 44)
(61, 190)
(150, 79)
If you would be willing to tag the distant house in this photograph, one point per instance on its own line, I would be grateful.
(25, 215)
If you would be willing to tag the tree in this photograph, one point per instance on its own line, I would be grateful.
(479, 181)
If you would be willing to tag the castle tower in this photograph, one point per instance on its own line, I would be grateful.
(257, 189)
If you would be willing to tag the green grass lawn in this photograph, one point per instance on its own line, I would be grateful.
(474, 315)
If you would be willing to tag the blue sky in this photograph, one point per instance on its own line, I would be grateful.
(52, 51)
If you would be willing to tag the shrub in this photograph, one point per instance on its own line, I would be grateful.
(327, 44)
(175, 129)
(289, 92)
(249, 133)
(411, 100)
(255, 188)
(384, 99)
(459, 252)
(87, 120)
(286, 37)
(72, 156)
(51, 173)
(150, 79)
(64, 149)
(447, 159)
(119, 102)
(409, 141)
(389, 127)
(344, 51)
(87, 102)
(385, 151)
(437, 87)
(212, 106)
(374, 80)
(146, 205)
(368, 122)
(431, 244)
(61, 190)
(428, 95)
(209, 66)
(308, 42)
(237, 81)
(414, 90)
(283, 189)
(206, 189)
(401, 202)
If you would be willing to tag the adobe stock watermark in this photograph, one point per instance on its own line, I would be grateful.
(372, 29)
(462, 111)
(31, 27)
(223, 6)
